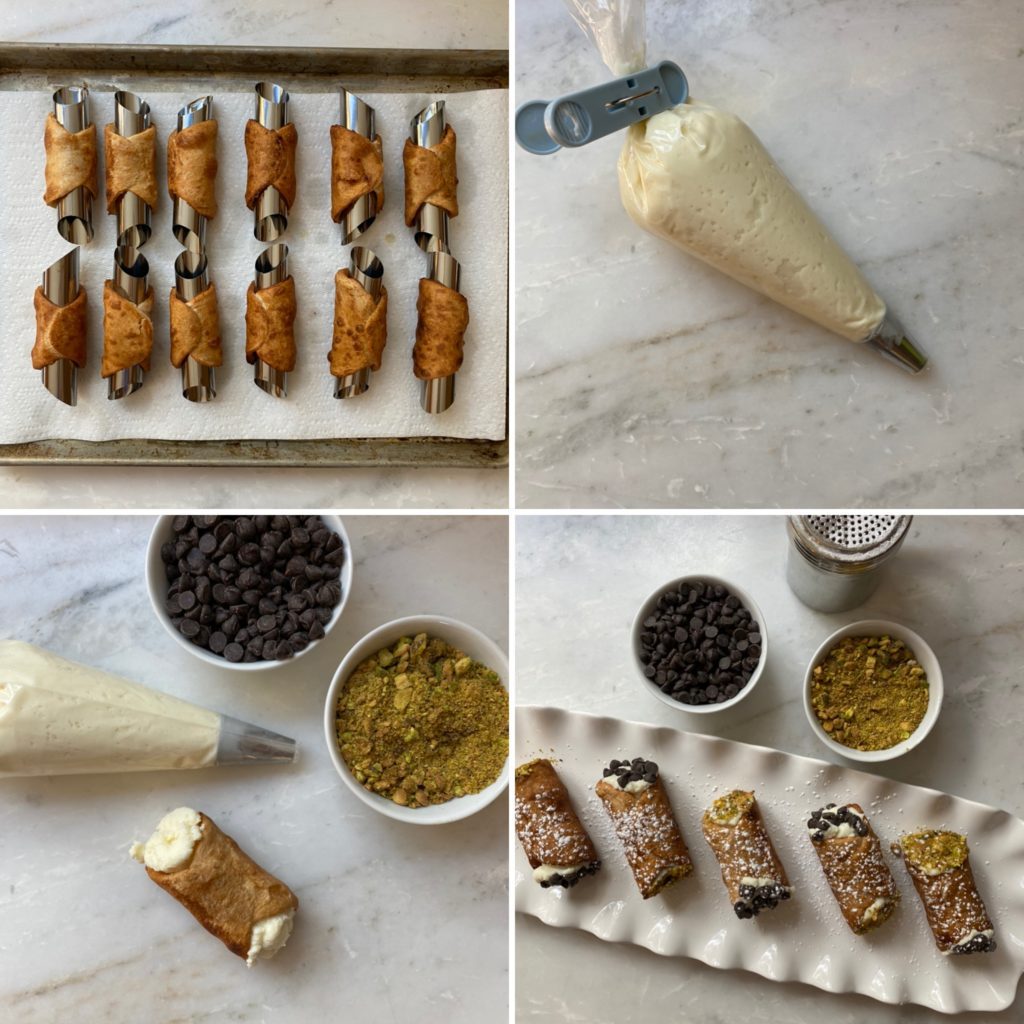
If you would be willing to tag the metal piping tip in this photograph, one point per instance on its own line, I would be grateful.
(274, 382)
(196, 112)
(123, 383)
(61, 380)
(352, 384)
(438, 394)
(191, 274)
(895, 344)
(271, 266)
(198, 382)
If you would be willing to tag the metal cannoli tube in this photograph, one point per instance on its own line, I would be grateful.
(134, 216)
(131, 279)
(431, 221)
(271, 211)
(438, 394)
(368, 272)
(60, 286)
(190, 226)
(360, 117)
(74, 210)
(191, 279)
(271, 269)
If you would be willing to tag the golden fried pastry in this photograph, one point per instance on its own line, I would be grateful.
(130, 166)
(271, 155)
(270, 325)
(195, 329)
(127, 331)
(360, 327)
(60, 331)
(443, 318)
(357, 169)
(192, 166)
(430, 176)
(70, 160)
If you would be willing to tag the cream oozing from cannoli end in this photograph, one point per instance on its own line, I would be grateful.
(269, 936)
(987, 933)
(874, 910)
(548, 871)
(172, 842)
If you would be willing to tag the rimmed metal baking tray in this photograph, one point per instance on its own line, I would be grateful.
(32, 66)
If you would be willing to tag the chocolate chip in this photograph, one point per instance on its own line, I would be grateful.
(234, 652)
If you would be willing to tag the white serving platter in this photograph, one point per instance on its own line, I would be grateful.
(804, 939)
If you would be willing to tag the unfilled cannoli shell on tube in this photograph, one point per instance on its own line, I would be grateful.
(60, 331)
(195, 329)
(645, 825)
(440, 329)
(130, 166)
(127, 331)
(360, 327)
(357, 169)
(225, 890)
(431, 176)
(70, 160)
(270, 325)
(271, 155)
(192, 166)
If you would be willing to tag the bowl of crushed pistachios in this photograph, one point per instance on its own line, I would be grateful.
(873, 691)
(417, 720)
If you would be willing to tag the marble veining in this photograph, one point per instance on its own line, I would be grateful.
(385, 908)
(645, 378)
(958, 582)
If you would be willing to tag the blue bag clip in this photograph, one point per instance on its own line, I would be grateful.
(543, 127)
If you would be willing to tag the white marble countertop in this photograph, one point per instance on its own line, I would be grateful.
(396, 922)
(645, 378)
(959, 582)
(462, 24)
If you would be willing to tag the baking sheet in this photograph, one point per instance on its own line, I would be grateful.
(804, 939)
(391, 408)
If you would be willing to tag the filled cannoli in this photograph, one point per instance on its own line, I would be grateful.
(360, 327)
(939, 866)
(553, 838)
(851, 857)
(357, 170)
(192, 166)
(270, 325)
(224, 889)
(431, 176)
(195, 329)
(751, 870)
(634, 796)
(60, 330)
(127, 331)
(130, 166)
(443, 316)
(70, 160)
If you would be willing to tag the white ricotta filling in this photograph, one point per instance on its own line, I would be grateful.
(171, 844)
(637, 786)
(875, 909)
(269, 936)
(967, 938)
(841, 831)
(548, 871)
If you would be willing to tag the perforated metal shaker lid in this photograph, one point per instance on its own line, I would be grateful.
(848, 544)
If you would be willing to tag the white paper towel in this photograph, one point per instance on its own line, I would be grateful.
(391, 408)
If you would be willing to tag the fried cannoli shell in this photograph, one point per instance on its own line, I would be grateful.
(357, 169)
(270, 324)
(547, 826)
(951, 900)
(70, 160)
(858, 876)
(743, 850)
(431, 176)
(195, 329)
(192, 166)
(440, 329)
(127, 331)
(60, 331)
(271, 154)
(646, 827)
(225, 890)
(130, 166)
(360, 327)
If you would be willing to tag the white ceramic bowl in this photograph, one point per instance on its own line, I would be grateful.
(650, 605)
(925, 657)
(156, 583)
(474, 643)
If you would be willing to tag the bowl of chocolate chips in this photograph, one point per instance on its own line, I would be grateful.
(248, 592)
(699, 643)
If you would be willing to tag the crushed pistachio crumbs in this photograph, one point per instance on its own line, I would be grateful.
(727, 807)
(934, 851)
(869, 693)
(421, 723)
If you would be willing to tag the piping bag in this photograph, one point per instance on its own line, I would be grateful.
(700, 178)
(61, 718)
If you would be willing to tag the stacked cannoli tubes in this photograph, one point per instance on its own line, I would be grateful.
(191, 180)
(270, 142)
(360, 298)
(69, 139)
(431, 198)
(129, 145)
